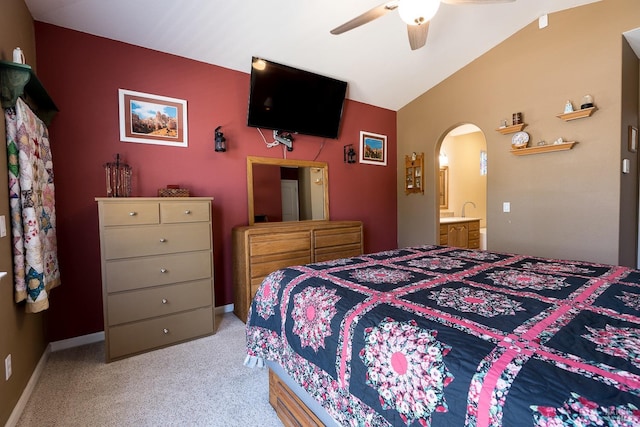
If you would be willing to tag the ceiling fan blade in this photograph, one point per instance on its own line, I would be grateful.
(366, 17)
(475, 1)
(418, 35)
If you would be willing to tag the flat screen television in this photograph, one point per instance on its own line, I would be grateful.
(287, 99)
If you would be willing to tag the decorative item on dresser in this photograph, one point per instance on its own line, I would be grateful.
(157, 272)
(263, 248)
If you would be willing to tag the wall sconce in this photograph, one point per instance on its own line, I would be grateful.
(349, 154)
(443, 159)
(221, 141)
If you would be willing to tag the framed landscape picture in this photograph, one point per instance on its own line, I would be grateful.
(152, 119)
(373, 148)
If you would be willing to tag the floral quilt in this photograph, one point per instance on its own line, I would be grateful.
(439, 336)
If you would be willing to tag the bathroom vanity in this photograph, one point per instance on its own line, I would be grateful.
(460, 232)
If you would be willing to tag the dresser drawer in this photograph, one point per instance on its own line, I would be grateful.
(141, 336)
(129, 274)
(130, 213)
(337, 237)
(269, 244)
(187, 211)
(130, 306)
(123, 242)
(336, 252)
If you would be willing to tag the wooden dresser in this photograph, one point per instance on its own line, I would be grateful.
(263, 248)
(461, 233)
(157, 272)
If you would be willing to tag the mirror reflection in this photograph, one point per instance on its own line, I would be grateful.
(286, 190)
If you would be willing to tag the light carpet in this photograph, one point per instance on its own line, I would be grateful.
(198, 383)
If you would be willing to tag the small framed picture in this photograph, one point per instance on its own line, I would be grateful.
(633, 139)
(373, 148)
(152, 119)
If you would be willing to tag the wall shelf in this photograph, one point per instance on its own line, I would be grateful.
(544, 148)
(579, 114)
(414, 173)
(18, 80)
(511, 129)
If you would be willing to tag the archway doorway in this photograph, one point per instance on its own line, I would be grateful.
(463, 165)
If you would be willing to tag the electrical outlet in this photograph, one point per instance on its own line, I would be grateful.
(7, 368)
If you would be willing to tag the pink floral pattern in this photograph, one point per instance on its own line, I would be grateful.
(381, 275)
(578, 411)
(313, 309)
(484, 303)
(405, 364)
(267, 296)
(618, 342)
(517, 279)
(630, 299)
(557, 267)
(437, 263)
(476, 255)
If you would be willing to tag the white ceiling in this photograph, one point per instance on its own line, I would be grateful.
(374, 59)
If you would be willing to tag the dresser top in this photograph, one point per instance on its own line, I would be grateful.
(150, 199)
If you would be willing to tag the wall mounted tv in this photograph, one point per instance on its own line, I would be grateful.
(287, 99)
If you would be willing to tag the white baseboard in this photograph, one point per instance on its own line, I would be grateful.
(99, 336)
(76, 341)
(28, 390)
(224, 309)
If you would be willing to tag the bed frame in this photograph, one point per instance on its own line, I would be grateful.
(290, 409)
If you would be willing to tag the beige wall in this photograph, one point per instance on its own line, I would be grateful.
(564, 204)
(21, 335)
(465, 181)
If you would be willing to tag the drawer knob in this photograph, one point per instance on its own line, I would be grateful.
(163, 270)
(164, 300)
(165, 331)
(162, 240)
(133, 213)
(187, 212)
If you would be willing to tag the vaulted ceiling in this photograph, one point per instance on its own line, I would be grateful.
(375, 59)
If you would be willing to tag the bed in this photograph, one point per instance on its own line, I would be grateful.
(440, 336)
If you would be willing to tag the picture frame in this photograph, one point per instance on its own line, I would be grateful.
(152, 119)
(373, 148)
(633, 139)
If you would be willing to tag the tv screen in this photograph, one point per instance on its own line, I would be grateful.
(287, 99)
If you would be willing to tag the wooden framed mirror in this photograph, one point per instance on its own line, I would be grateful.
(287, 190)
(444, 187)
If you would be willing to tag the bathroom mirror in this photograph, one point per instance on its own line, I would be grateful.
(444, 187)
(287, 190)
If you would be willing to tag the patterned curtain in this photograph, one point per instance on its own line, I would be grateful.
(32, 204)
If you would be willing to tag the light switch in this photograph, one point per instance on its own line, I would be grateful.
(3, 226)
(506, 207)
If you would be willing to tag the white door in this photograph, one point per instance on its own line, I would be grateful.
(289, 191)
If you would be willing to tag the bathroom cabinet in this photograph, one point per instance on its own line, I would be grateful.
(460, 232)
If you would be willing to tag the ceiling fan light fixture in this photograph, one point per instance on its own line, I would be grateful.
(417, 12)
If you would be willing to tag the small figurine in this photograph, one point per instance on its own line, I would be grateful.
(568, 108)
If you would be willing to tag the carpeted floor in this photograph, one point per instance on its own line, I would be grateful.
(198, 383)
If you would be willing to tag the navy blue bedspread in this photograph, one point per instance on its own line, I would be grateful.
(442, 336)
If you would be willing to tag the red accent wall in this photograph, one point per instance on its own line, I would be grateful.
(83, 73)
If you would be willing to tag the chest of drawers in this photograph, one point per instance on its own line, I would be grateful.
(263, 248)
(157, 272)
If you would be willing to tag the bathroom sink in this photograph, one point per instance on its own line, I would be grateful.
(452, 219)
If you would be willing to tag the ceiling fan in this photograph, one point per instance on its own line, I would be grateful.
(416, 13)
